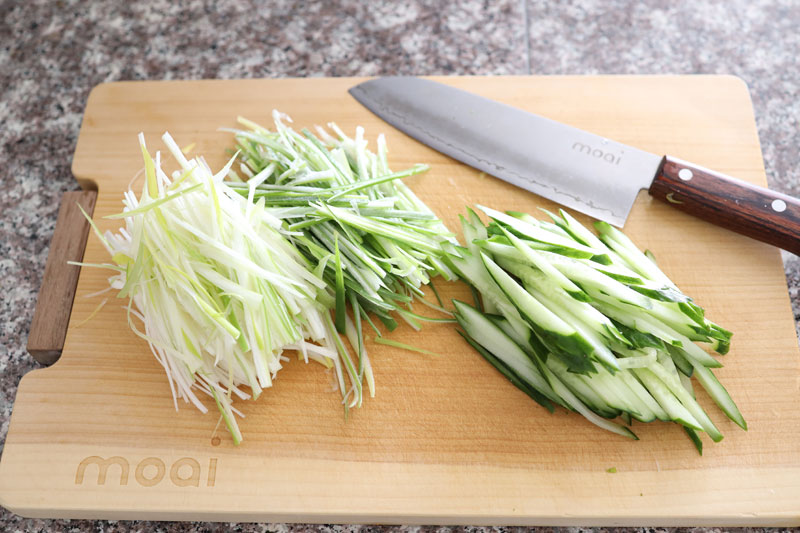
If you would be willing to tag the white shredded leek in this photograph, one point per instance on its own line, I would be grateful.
(214, 287)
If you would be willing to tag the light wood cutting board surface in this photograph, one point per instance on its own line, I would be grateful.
(446, 439)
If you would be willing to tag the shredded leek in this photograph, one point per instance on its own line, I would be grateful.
(224, 273)
(214, 286)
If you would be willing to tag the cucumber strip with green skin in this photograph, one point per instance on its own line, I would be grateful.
(666, 361)
(637, 361)
(551, 329)
(661, 393)
(721, 347)
(581, 232)
(549, 226)
(693, 311)
(471, 269)
(714, 388)
(637, 339)
(600, 350)
(593, 281)
(698, 444)
(572, 289)
(476, 298)
(637, 408)
(564, 392)
(472, 231)
(500, 321)
(491, 337)
(618, 272)
(644, 397)
(475, 220)
(657, 292)
(691, 405)
(687, 384)
(509, 374)
(581, 389)
(582, 311)
(635, 318)
(695, 353)
(529, 307)
(680, 361)
(675, 307)
(497, 243)
(622, 245)
(611, 392)
(533, 232)
(639, 321)
(532, 257)
(718, 332)
(670, 314)
(720, 337)
(528, 342)
(441, 267)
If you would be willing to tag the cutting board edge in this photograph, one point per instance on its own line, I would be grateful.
(716, 497)
(732, 517)
(788, 519)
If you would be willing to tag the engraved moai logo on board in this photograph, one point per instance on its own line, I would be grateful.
(149, 472)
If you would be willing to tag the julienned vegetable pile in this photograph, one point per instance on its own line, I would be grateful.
(588, 322)
(302, 237)
(222, 277)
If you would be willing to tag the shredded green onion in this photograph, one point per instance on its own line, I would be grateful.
(404, 346)
(224, 272)
(353, 219)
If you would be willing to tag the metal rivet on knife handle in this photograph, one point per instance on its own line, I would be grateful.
(736, 205)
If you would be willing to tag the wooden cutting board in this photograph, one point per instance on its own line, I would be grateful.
(446, 440)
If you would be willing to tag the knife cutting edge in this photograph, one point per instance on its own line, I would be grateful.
(580, 170)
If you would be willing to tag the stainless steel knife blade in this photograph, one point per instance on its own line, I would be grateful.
(572, 167)
(577, 169)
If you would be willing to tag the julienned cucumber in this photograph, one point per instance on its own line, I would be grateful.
(588, 322)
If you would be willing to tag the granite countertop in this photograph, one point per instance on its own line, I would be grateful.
(53, 52)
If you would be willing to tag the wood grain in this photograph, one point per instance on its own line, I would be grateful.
(54, 303)
(733, 204)
(446, 439)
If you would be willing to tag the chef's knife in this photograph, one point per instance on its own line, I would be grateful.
(575, 168)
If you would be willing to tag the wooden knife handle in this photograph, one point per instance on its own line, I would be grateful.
(53, 306)
(754, 211)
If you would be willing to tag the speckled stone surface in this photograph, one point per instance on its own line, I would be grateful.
(53, 52)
